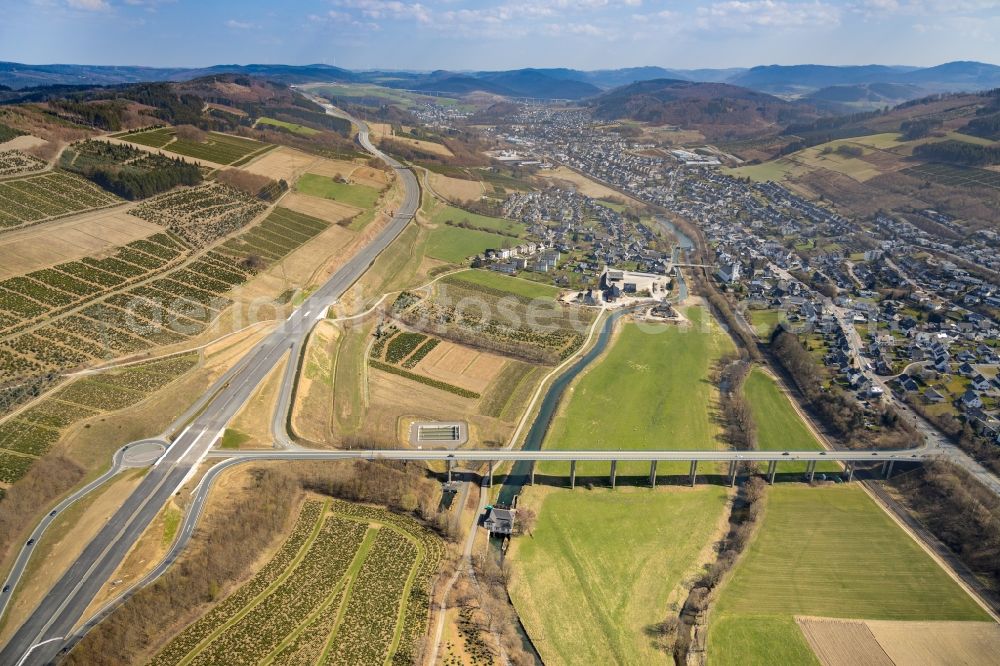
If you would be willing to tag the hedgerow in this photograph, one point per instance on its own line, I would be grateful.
(450, 388)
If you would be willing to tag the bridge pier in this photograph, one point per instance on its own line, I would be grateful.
(572, 474)
(652, 474)
(451, 466)
(694, 471)
(614, 472)
(733, 465)
(888, 470)
(531, 473)
(850, 472)
(490, 473)
(772, 469)
(811, 470)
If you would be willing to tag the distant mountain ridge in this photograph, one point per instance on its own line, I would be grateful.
(17, 75)
(547, 83)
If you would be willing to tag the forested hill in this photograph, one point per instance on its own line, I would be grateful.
(718, 108)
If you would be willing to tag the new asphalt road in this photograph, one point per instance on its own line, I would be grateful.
(42, 635)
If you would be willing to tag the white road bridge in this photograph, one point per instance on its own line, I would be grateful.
(849, 459)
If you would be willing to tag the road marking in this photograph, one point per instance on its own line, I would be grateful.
(172, 444)
(37, 645)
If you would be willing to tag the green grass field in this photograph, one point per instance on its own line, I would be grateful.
(765, 321)
(359, 196)
(444, 214)
(775, 170)
(650, 390)
(506, 283)
(827, 552)
(600, 567)
(294, 128)
(779, 426)
(613, 205)
(455, 245)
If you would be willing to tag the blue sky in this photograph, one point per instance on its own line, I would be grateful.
(500, 34)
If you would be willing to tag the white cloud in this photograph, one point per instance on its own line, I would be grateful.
(747, 14)
(89, 5)
(239, 25)
(388, 9)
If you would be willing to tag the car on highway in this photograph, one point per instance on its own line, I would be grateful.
(31, 542)
(6, 589)
(52, 513)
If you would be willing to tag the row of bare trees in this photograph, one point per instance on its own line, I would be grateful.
(47, 479)
(740, 429)
(688, 640)
(960, 511)
(834, 407)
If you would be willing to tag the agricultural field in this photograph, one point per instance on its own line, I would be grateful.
(779, 426)
(585, 186)
(464, 367)
(359, 196)
(350, 585)
(511, 390)
(283, 163)
(70, 239)
(154, 138)
(203, 214)
(456, 217)
(880, 154)
(498, 321)
(498, 283)
(279, 234)
(848, 642)
(455, 189)
(44, 292)
(367, 93)
(294, 128)
(34, 199)
(400, 351)
(650, 390)
(456, 245)
(373, 389)
(216, 148)
(93, 309)
(826, 552)
(945, 174)
(33, 431)
(16, 163)
(601, 567)
(420, 145)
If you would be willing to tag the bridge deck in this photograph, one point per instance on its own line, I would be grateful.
(504, 455)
